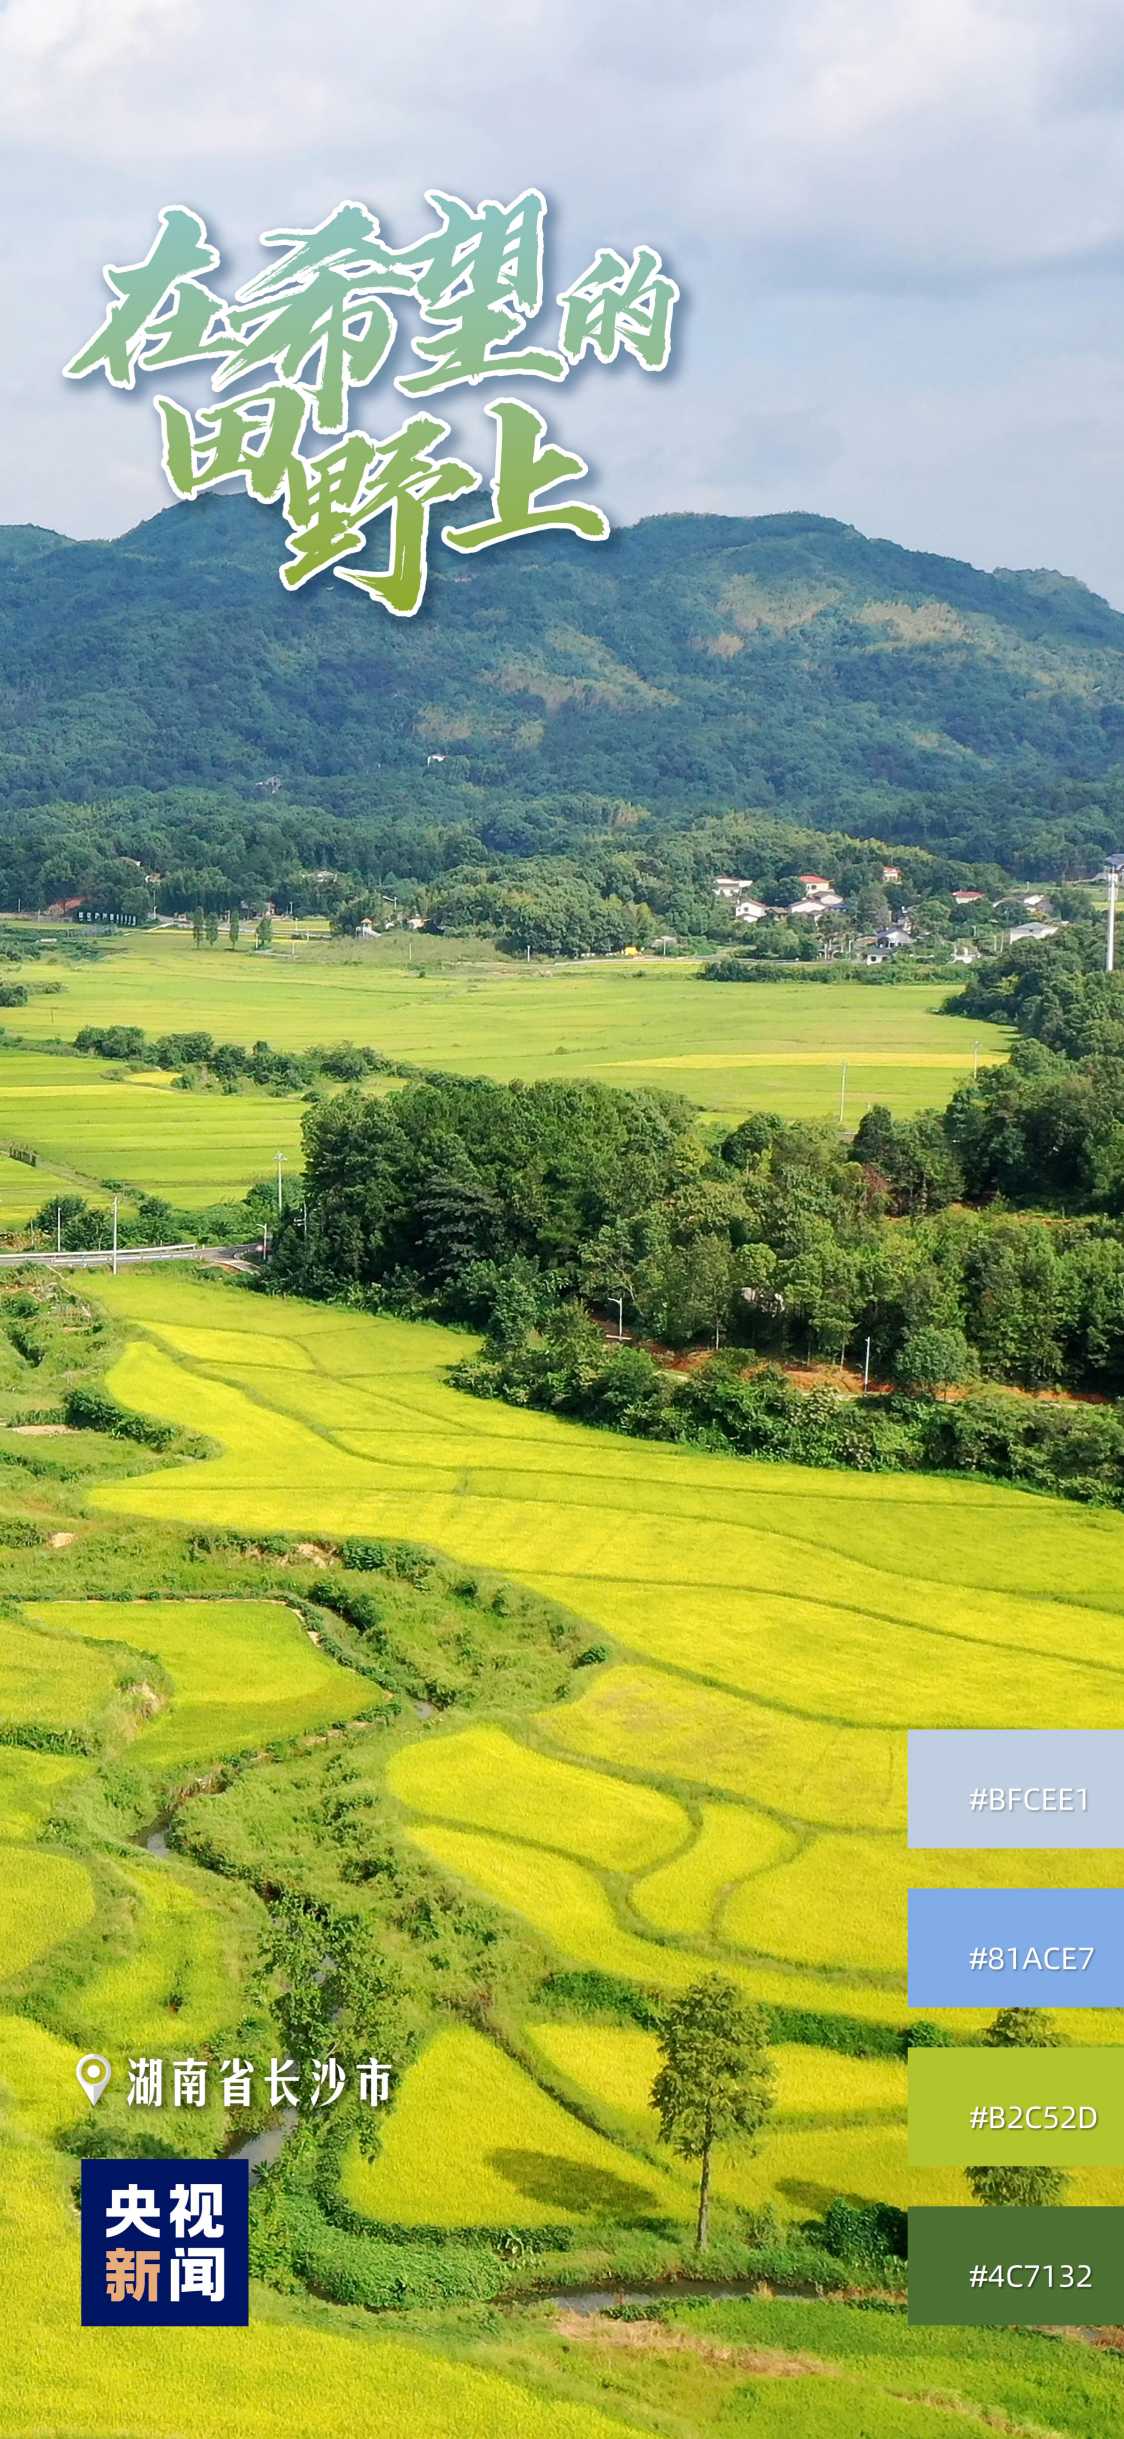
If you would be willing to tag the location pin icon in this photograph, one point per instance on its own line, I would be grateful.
(93, 2074)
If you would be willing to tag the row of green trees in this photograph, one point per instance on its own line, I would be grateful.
(496, 1204)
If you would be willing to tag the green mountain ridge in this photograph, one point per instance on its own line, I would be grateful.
(690, 665)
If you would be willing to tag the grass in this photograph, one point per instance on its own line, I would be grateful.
(242, 1672)
(774, 1046)
(507, 2154)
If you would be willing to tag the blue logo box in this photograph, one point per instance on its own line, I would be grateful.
(165, 2244)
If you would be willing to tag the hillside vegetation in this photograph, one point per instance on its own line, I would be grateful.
(695, 663)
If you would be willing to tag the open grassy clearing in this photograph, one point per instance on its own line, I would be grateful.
(648, 1022)
(242, 1672)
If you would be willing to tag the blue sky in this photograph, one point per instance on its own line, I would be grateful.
(898, 224)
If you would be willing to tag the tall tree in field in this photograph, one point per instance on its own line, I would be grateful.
(211, 930)
(716, 2081)
(264, 932)
(1005, 2183)
(235, 927)
(197, 921)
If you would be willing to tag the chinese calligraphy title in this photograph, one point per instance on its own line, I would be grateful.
(320, 322)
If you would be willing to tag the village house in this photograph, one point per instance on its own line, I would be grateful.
(825, 901)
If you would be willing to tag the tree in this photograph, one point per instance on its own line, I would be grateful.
(1004, 2185)
(264, 932)
(235, 927)
(716, 2081)
(934, 1357)
(1024, 2028)
(211, 929)
(197, 922)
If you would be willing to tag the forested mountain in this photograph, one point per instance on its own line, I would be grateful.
(690, 665)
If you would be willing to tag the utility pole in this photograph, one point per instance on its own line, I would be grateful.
(58, 1227)
(975, 1060)
(619, 1302)
(866, 1368)
(1110, 943)
(115, 1236)
(280, 1157)
(843, 1094)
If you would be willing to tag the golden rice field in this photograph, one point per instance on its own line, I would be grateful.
(730, 1788)
(134, 1955)
(727, 1790)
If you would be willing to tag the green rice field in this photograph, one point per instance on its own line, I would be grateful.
(622, 1021)
(93, 1127)
(137, 1955)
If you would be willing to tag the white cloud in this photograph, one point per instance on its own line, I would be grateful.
(899, 225)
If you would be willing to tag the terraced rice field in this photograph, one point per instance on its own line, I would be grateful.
(136, 1955)
(241, 1672)
(508, 2154)
(730, 1788)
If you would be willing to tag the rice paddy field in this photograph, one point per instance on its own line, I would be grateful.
(725, 1788)
(137, 1955)
(628, 1021)
(94, 1128)
(730, 1787)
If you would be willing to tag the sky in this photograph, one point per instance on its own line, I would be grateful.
(898, 227)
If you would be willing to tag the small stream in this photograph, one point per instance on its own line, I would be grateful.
(262, 2149)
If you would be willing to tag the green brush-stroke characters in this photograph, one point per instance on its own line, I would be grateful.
(254, 439)
(617, 304)
(321, 320)
(524, 469)
(478, 280)
(331, 499)
(163, 313)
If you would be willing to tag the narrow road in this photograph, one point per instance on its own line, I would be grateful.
(226, 1257)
